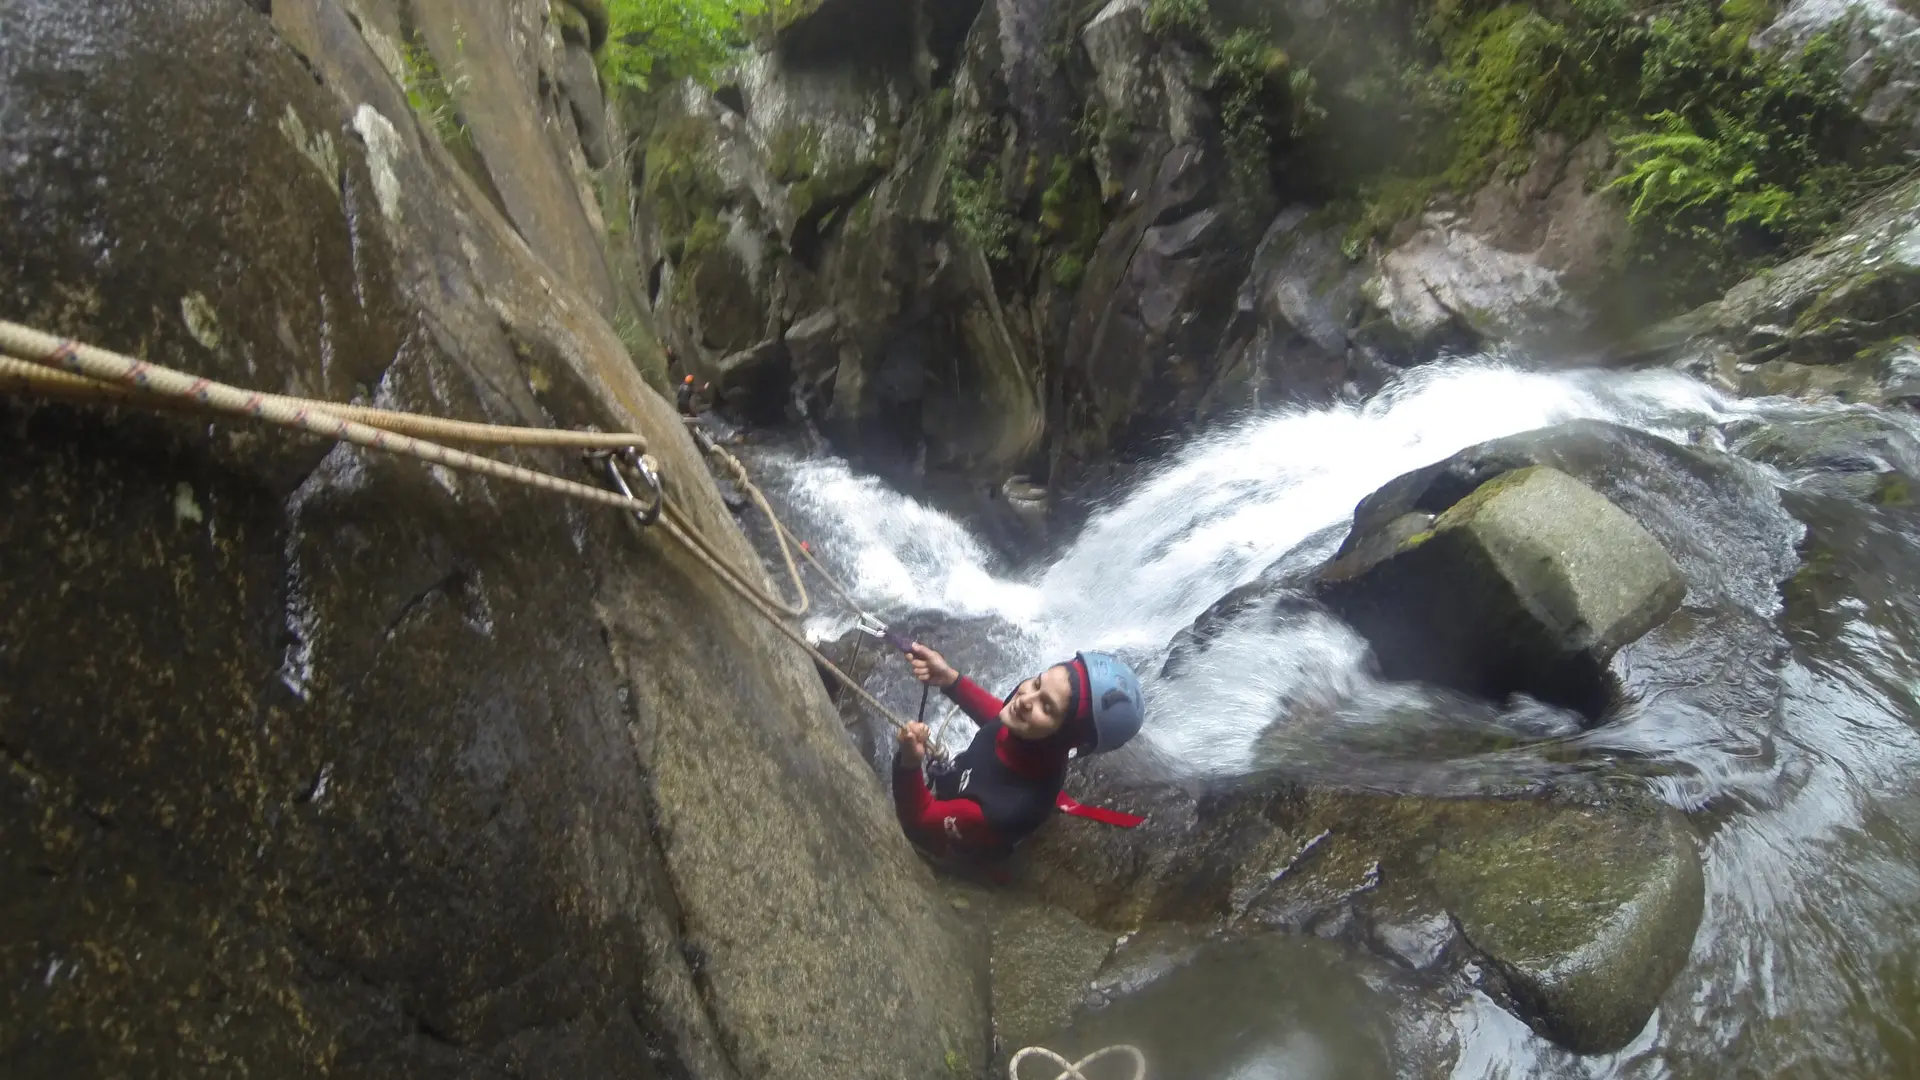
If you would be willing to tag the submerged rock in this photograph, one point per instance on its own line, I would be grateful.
(1588, 914)
(1044, 961)
(1576, 911)
(1528, 584)
(1263, 1007)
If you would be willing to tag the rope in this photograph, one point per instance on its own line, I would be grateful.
(1071, 1070)
(739, 474)
(784, 535)
(22, 375)
(315, 417)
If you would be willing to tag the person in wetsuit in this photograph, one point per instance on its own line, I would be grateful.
(1007, 782)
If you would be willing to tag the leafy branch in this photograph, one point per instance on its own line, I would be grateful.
(650, 42)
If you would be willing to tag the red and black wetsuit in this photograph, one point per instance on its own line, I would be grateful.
(996, 792)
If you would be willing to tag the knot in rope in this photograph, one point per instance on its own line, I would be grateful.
(1072, 1070)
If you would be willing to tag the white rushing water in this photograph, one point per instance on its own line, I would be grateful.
(1212, 518)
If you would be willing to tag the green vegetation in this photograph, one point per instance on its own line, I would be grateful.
(1068, 271)
(432, 96)
(1248, 77)
(650, 42)
(1070, 219)
(1733, 155)
(1257, 90)
(1384, 203)
(1173, 17)
(980, 212)
(1057, 199)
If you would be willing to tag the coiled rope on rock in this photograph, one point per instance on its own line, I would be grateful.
(1074, 1070)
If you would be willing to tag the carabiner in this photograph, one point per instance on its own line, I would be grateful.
(649, 471)
(873, 627)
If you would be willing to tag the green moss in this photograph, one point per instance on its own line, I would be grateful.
(1068, 271)
(1892, 490)
(1384, 204)
(707, 234)
(979, 210)
(680, 181)
(1170, 18)
(1055, 199)
(1464, 510)
(1070, 219)
(433, 97)
(860, 218)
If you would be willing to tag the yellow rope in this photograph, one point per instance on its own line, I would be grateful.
(314, 417)
(780, 534)
(1071, 1070)
(94, 374)
(21, 375)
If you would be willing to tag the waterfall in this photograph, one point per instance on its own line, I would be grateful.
(1215, 515)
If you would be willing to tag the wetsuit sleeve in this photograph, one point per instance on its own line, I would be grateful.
(980, 706)
(935, 824)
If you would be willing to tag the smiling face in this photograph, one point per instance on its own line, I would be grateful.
(1039, 706)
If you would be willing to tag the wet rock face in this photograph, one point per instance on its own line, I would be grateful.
(1446, 286)
(1013, 242)
(1528, 584)
(1847, 302)
(1881, 43)
(1295, 332)
(1582, 949)
(318, 761)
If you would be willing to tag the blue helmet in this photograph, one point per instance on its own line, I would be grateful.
(1118, 708)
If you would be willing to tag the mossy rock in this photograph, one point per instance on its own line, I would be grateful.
(387, 770)
(1847, 294)
(1043, 959)
(1589, 913)
(1529, 583)
(682, 178)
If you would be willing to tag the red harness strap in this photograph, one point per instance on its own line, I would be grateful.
(1096, 813)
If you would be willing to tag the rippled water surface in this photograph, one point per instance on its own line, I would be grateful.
(1782, 717)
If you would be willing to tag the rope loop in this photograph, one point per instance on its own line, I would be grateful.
(1072, 1070)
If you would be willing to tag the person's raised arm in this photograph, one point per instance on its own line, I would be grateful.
(931, 668)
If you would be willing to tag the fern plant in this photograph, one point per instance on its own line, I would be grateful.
(1676, 169)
